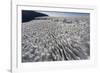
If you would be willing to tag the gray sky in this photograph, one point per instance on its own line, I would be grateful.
(63, 14)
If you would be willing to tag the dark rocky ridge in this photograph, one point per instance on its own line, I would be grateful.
(30, 15)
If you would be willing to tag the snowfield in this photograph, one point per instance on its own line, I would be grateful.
(56, 39)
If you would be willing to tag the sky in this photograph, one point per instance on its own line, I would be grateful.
(63, 14)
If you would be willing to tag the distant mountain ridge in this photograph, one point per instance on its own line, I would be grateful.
(30, 15)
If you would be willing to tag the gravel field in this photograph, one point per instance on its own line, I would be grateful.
(56, 39)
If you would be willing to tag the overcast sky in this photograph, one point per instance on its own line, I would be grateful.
(63, 14)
